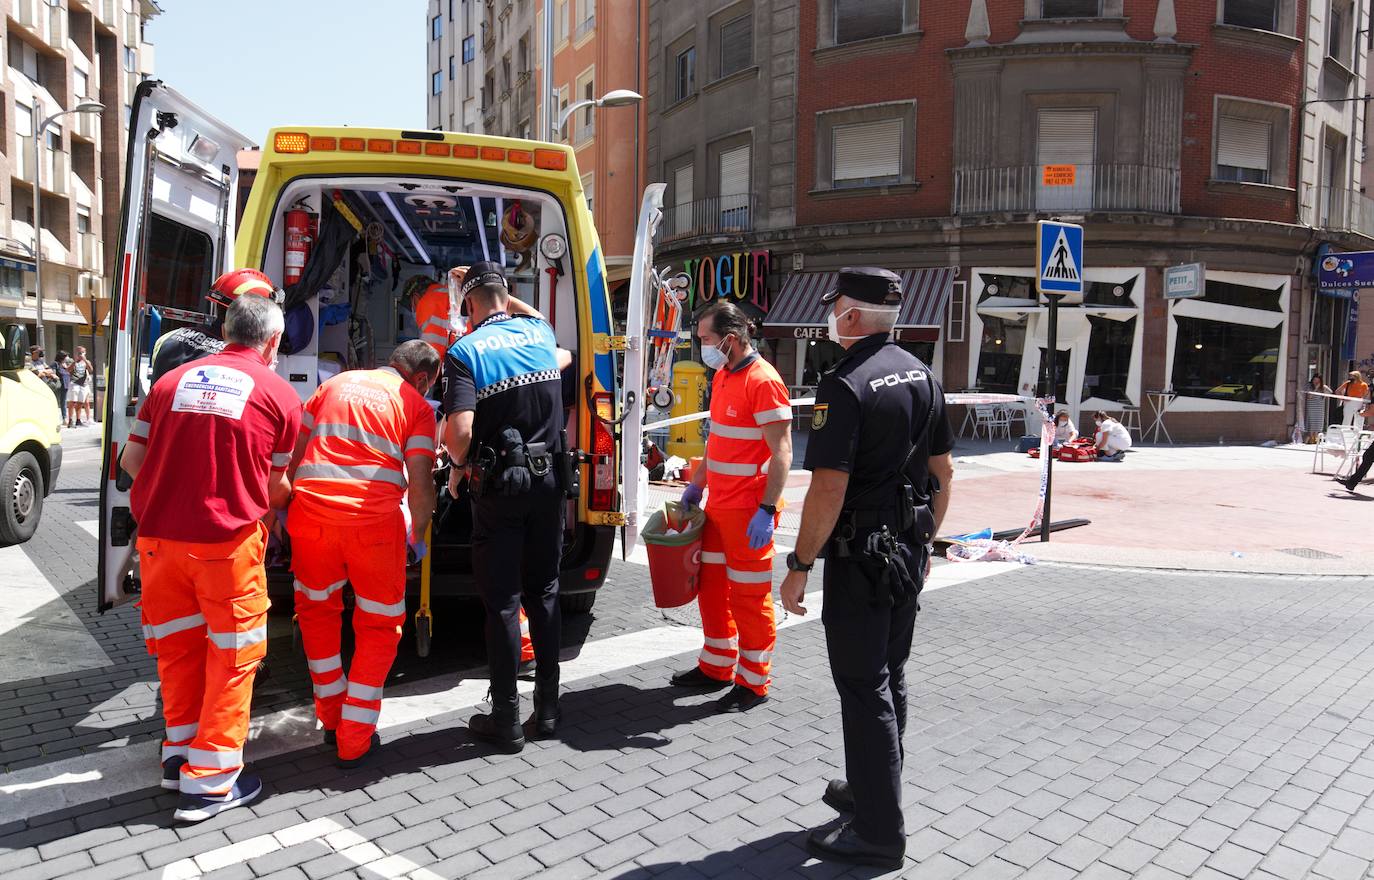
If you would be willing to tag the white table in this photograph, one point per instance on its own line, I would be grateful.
(1160, 401)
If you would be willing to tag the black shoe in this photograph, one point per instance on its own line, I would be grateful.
(740, 699)
(508, 736)
(171, 772)
(543, 722)
(838, 797)
(199, 807)
(1350, 483)
(354, 763)
(695, 678)
(331, 738)
(843, 845)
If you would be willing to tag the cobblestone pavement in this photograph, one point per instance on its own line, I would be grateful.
(1064, 721)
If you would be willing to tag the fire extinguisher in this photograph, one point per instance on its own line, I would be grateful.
(300, 237)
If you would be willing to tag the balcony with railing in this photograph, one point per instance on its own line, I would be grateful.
(22, 164)
(1083, 189)
(56, 172)
(85, 125)
(717, 215)
(1343, 210)
(586, 26)
(586, 129)
(88, 252)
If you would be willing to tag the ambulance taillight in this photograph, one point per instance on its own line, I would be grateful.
(603, 454)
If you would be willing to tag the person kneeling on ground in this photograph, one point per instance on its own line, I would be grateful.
(1112, 439)
(1064, 429)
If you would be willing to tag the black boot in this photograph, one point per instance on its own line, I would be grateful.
(502, 727)
(543, 722)
(838, 796)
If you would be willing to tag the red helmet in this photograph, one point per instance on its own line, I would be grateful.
(233, 284)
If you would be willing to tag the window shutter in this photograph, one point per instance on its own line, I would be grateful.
(868, 151)
(1067, 137)
(734, 172)
(736, 45)
(866, 19)
(682, 185)
(1243, 143)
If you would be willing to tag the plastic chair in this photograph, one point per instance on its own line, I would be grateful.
(1337, 441)
(989, 418)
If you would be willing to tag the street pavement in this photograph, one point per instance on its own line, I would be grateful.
(1096, 721)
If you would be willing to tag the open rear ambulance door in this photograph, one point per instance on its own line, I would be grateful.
(638, 310)
(176, 236)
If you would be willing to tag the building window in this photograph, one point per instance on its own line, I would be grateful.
(1338, 32)
(1227, 344)
(436, 27)
(451, 68)
(24, 58)
(1258, 14)
(999, 356)
(1070, 8)
(586, 17)
(956, 323)
(469, 48)
(589, 191)
(130, 59)
(682, 199)
(436, 83)
(1066, 137)
(1243, 150)
(560, 21)
(81, 83)
(736, 40)
(867, 154)
(734, 188)
(866, 19)
(685, 74)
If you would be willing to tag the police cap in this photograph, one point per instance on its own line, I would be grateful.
(867, 284)
(483, 272)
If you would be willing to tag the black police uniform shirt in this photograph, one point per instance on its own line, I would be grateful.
(505, 371)
(871, 407)
(181, 346)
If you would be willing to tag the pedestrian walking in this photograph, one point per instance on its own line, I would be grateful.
(748, 457)
(80, 395)
(879, 453)
(1356, 388)
(367, 442)
(63, 367)
(503, 401)
(208, 454)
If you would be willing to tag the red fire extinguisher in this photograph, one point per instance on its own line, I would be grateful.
(299, 239)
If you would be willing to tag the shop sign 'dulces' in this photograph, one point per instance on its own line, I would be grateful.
(1341, 273)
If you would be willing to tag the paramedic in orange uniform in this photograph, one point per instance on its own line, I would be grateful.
(208, 453)
(748, 454)
(432, 317)
(366, 439)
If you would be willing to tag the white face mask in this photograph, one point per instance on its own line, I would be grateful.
(713, 357)
(832, 321)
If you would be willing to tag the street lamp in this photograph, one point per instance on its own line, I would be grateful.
(613, 98)
(38, 130)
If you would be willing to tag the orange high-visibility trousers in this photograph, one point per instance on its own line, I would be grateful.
(324, 557)
(205, 611)
(736, 602)
(526, 643)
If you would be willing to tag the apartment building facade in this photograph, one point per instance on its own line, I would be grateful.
(929, 137)
(59, 53)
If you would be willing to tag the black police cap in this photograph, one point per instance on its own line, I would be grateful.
(483, 272)
(867, 284)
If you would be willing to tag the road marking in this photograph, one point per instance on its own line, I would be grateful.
(40, 632)
(118, 767)
(92, 526)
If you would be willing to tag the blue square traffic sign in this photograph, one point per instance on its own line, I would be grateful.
(1059, 259)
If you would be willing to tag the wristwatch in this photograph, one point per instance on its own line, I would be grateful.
(795, 564)
(770, 509)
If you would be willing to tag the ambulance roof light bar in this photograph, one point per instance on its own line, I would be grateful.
(386, 197)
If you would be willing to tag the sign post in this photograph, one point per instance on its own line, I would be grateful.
(1059, 276)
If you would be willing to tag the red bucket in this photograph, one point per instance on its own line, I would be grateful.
(674, 559)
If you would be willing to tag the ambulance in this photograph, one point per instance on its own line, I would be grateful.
(349, 222)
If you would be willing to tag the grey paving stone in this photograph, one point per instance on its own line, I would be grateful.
(1342, 866)
(1234, 860)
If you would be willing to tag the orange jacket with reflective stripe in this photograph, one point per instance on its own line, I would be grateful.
(742, 402)
(432, 317)
(362, 425)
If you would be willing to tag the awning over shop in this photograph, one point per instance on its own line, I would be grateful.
(20, 264)
(798, 313)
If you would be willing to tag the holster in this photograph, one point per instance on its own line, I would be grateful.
(481, 471)
(567, 463)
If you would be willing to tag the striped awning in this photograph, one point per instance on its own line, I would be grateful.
(925, 295)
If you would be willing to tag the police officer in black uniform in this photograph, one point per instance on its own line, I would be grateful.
(504, 403)
(879, 453)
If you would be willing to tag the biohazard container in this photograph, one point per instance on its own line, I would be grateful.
(674, 559)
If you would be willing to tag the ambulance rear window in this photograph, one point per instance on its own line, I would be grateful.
(179, 265)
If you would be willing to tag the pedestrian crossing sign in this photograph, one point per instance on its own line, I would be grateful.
(1059, 256)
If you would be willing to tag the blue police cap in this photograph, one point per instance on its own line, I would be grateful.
(867, 284)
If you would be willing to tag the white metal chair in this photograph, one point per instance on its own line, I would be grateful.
(1130, 419)
(1337, 441)
(1013, 412)
(989, 418)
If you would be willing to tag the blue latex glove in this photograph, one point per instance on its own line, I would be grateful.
(760, 530)
(416, 549)
(691, 496)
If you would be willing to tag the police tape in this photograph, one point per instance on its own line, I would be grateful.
(957, 398)
(699, 416)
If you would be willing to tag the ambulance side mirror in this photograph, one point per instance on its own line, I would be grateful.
(13, 346)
